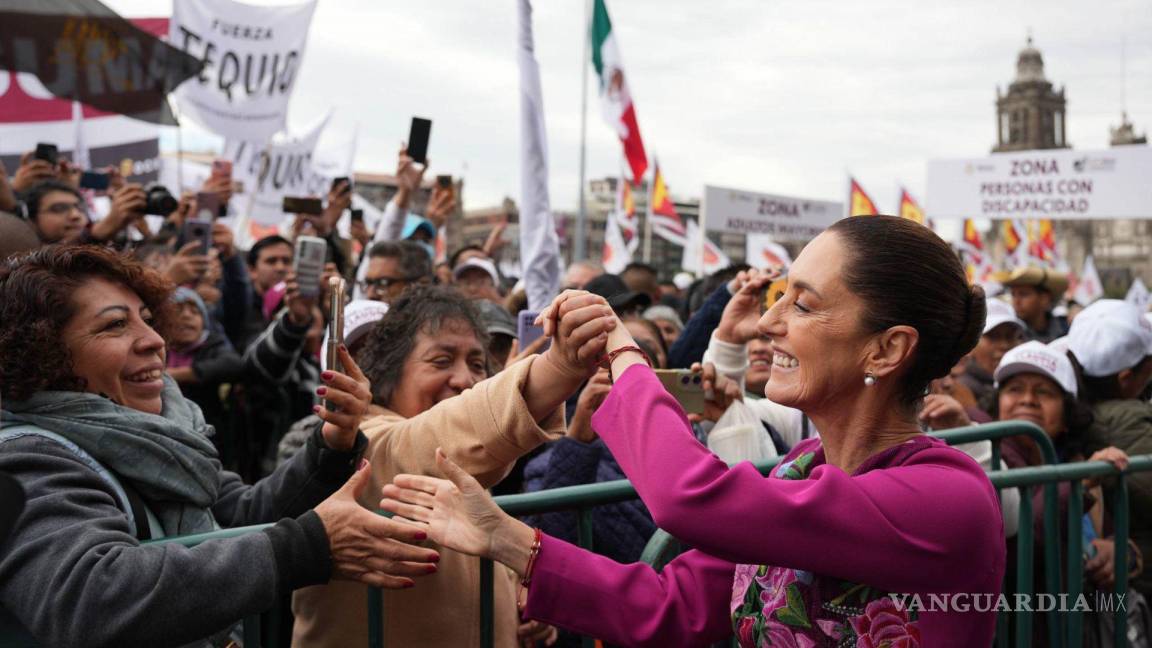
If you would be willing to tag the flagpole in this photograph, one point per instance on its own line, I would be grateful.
(648, 219)
(580, 251)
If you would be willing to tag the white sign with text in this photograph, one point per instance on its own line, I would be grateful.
(1059, 184)
(783, 218)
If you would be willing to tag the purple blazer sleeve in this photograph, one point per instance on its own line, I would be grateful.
(685, 604)
(930, 525)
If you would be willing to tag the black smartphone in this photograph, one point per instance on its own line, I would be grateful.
(444, 181)
(294, 205)
(357, 215)
(418, 139)
(336, 183)
(94, 180)
(49, 153)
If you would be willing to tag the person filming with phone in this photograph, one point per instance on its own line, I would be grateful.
(111, 455)
(808, 555)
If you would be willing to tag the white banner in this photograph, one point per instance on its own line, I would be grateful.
(251, 58)
(1059, 184)
(780, 217)
(269, 173)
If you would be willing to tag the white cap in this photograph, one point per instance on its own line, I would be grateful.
(999, 312)
(1038, 358)
(478, 263)
(1109, 336)
(682, 280)
(359, 317)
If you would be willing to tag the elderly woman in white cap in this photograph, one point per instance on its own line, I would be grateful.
(1037, 383)
(1111, 343)
(1002, 331)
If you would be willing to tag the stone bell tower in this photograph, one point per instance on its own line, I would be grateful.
(1032, 113)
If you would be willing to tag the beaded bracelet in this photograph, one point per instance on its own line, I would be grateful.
(610, 357)
(527, 578)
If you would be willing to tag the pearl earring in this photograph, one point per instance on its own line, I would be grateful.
(869, 379)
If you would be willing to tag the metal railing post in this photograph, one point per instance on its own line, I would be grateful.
(1024, 547)
(1075, 581)
(1120, 515)
(487, 615)
(375, 617)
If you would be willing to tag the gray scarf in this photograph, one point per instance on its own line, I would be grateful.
(167, 458)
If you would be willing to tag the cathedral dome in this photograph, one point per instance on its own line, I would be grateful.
(1029, 64)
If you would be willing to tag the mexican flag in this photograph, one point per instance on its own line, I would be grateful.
(615, 99)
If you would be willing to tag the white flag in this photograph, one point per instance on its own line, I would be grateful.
(539, 246)
(714, 258)
(1138, 295)
(762, 253)
(617, 254)
(1088, 288)
(269, 173)
(251, 55)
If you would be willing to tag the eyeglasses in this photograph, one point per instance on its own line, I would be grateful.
(381, 284)
(64, 208)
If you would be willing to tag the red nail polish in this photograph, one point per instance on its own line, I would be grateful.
(343, 347)
(321, 391)
(327, 375)
(363, 462)
(409, 584)
(436, 558)
(432, 569)
(420, 535)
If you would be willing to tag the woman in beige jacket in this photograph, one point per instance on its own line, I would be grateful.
(427, 365)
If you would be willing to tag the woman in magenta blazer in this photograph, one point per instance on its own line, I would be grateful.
(871, 535)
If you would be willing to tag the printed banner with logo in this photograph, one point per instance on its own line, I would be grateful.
(1057, 184)
(251, 57)
(783, 218)
(269, 173)
(30, 114)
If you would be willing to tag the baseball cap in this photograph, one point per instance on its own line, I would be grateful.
(478, 263)
(360, 315)
(613, 288)
(495, 318)
(1109, 336)
(999, 312)
(1038, 358)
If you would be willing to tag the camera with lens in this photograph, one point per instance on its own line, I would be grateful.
(158, 200)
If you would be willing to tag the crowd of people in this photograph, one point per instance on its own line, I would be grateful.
(153, 388)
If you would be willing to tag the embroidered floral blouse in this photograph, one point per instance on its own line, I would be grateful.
(806, 557)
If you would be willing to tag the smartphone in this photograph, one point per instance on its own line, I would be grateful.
(207, 205)
(526, 330)
(345, 179)
(47, 152)
(357, 215)
(335, 335)
(94, 180)
(444, 181)
(295, 205)
(308, 264)
(418, 139)
(772, 293)
(197, 230)
(222, 168)
(685, 386)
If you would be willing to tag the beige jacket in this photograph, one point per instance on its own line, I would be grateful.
(484, 430)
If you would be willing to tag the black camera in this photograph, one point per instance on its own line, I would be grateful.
(158, 200)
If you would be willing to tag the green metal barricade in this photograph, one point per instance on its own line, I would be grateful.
(662, 548)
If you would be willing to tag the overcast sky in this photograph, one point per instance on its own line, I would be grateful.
(781, 97)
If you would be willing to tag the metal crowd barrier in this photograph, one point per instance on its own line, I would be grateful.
(1064, 628)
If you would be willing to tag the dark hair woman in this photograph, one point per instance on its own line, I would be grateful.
(875, 309)
(427, 362)
(110, 453)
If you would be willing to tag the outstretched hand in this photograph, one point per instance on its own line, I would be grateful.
(351, 394)
(457, 513)
(370, 548)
